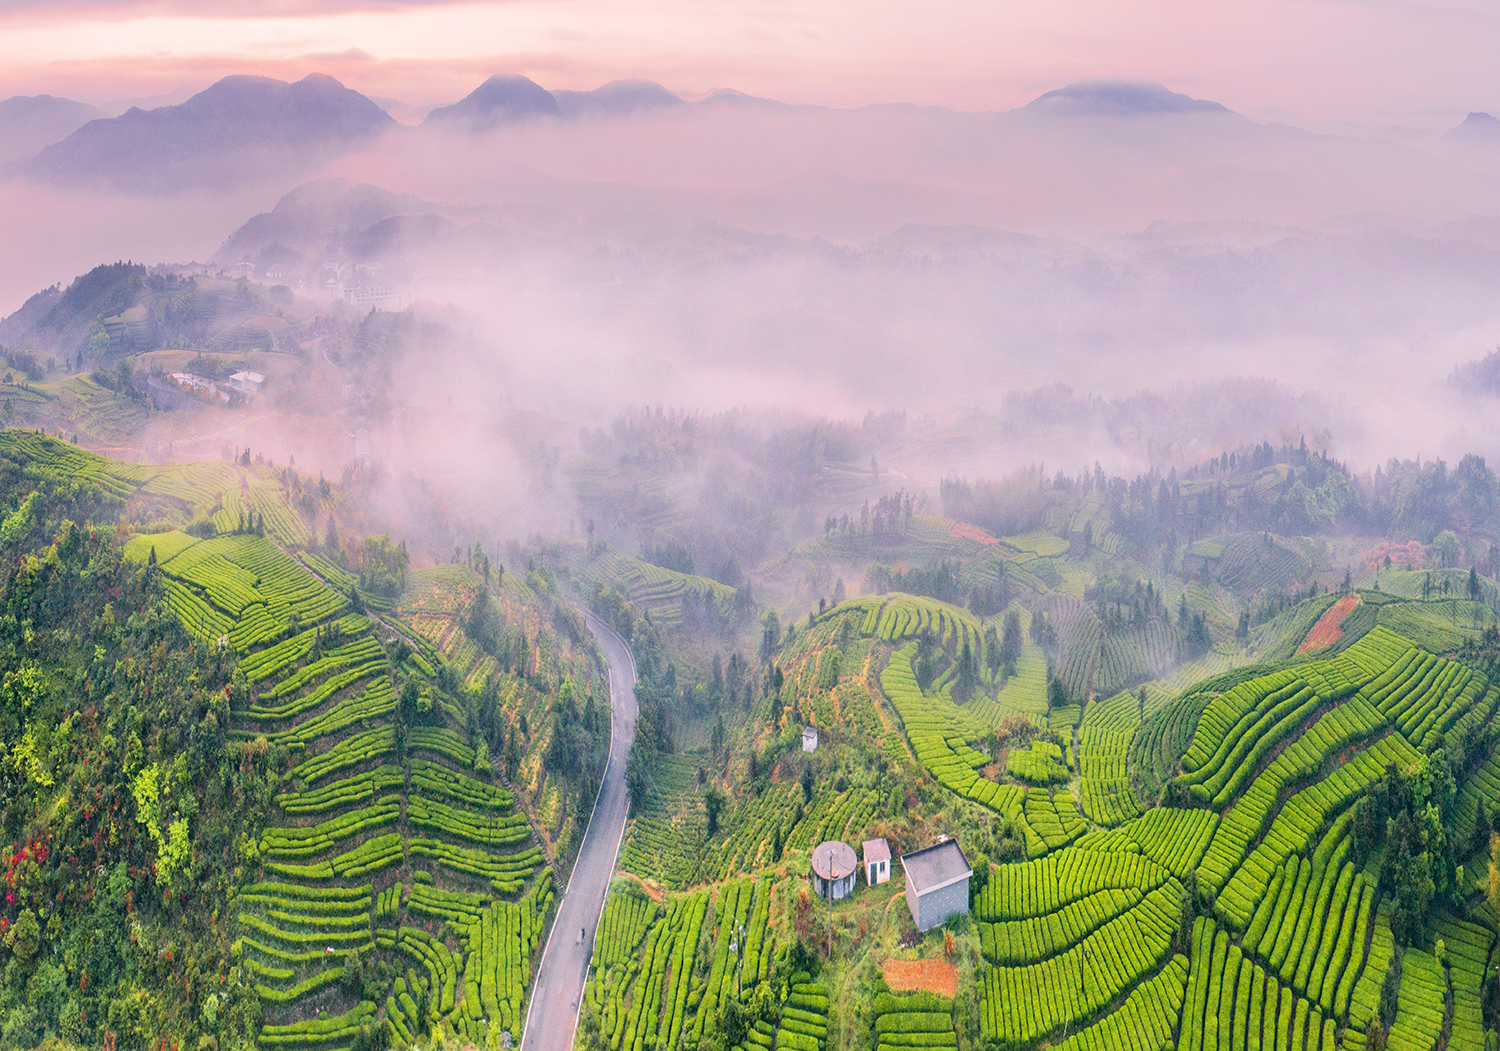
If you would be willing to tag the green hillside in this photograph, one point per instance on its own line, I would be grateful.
(242, 807)
(1290, 853)
(268, 789)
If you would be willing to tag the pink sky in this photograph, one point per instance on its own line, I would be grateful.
(1374, 61)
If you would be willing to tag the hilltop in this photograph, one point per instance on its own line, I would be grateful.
(1119, 98)
(30, 122)
(240, 128)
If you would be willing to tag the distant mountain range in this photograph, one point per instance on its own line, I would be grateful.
(30, 122)
(508, 99)
(238, 129)
(243, 128)
(246, 129)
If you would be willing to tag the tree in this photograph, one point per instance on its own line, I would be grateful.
(733, 1020)
(992, 659)
(1057, 695)
(1445, 546)
(1474, 589)
(637, 777)
(24, 937)
(408, 702)
(968, 671)
(980, 863)
(563, 751)
(1011, 642)
(353, 978)
(807, 783)
(927, 669)
(770, 636)
(512, 759)
(713, 805)
(383, 566)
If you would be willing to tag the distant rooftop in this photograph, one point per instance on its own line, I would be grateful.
(936, 866)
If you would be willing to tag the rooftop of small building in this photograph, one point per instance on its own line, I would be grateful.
(833, 860)
(936, 866)
(877, 850)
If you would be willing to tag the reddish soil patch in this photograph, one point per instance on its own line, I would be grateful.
(1330, 626)
(936, 976)
(964, 531)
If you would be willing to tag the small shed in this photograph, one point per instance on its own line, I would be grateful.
(809, 738)
(937, 883)
(877, 861)
(833, 869)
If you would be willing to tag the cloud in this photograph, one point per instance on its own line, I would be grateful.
(349, 54)
(778, 259)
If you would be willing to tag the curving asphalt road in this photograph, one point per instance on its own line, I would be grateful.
(558, 990)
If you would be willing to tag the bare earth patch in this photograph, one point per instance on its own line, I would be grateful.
(969, 532)
(936, 976)
(1330, 626)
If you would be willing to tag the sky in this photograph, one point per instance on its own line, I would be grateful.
(1376, 62)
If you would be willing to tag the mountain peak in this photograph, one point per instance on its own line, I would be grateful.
(502, 99)
(230, 131)
(1478, 128)
(1119, 98)
(616, 98)
(30, 122)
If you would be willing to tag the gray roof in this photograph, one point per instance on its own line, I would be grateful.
(833, 860)
(935, 867)
(877, 850)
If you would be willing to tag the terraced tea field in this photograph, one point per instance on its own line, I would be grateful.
(225, 493)
(1192, 877)
(1296, 943)
(390, 844)
(663, 977)
(667, 594)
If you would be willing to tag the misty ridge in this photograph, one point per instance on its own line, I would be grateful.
(1114, 273)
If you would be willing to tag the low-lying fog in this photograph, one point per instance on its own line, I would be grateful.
(830, 262)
